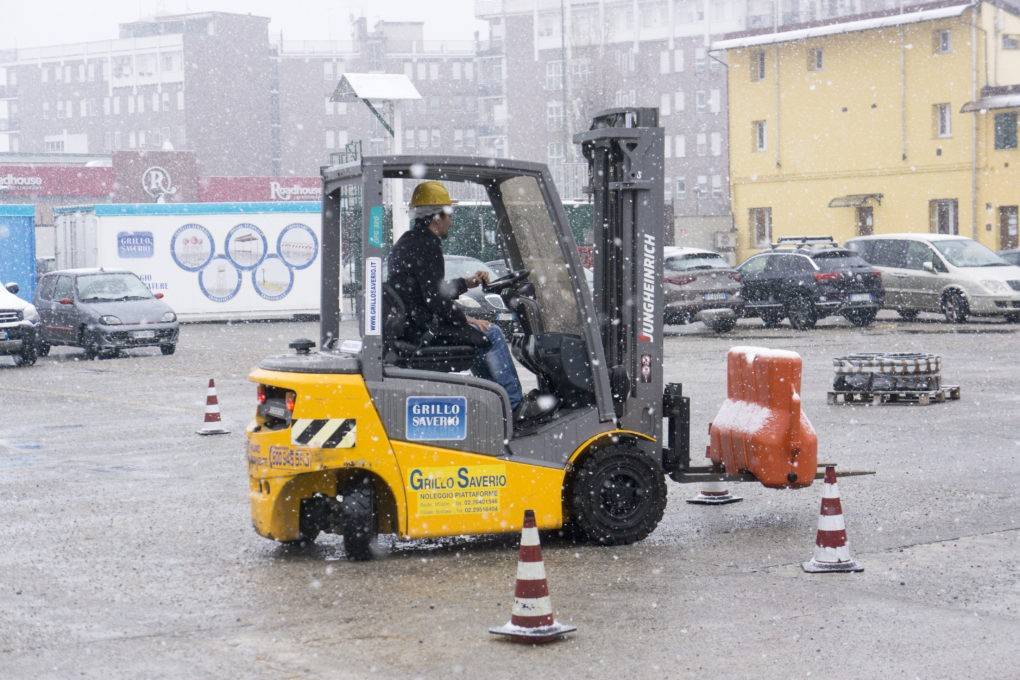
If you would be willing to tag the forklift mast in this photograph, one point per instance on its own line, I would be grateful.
(624, 150)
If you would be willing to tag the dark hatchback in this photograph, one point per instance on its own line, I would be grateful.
(102, 312)
(806, 279)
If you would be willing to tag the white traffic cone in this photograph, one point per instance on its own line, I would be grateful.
(832, 550)
(213, 425)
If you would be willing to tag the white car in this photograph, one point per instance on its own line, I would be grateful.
(19, 326)
(954, 275)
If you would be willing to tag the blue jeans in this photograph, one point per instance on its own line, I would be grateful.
(497, 364)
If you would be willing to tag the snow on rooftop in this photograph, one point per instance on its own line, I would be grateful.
(839, 28)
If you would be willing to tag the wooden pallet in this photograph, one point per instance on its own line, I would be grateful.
(921, 398)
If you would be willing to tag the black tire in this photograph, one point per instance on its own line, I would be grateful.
(27, 355)
(617, 496)
(861, 317)
(800, 310)
(907, 314)
(359, 519)
(167, 350)
(91, 347)
(955, 307)
(42, 348)
(723, 325)
(1013, 318)
(771, 318)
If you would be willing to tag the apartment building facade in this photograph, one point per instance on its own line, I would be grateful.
(919, 135)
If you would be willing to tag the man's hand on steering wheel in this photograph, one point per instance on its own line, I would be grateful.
(504, 282)
(479, 277)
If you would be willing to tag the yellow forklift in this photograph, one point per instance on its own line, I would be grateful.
(379, 436)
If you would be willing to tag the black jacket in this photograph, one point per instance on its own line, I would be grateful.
(416, 271)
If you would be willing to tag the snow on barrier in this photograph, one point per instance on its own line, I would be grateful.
(761, 428)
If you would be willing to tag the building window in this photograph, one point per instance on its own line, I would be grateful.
(54, 145)
(327, 71)
(554, 152)
(141, 104)
(44, 73)
(940, 42)
(760, 223)
(664, 62)
(92, 71)
(1011, 41)
(702, 188)
(165, 96)
(679, 101)
(342, 138)
(116, 106)
(714, 101)
(716, 143)
(700, 100)
(700, 58)
(678, 60)
(944, 216)
(180, 100)
(433, 70)
(46, 110)
(329, 107)
(758, 131)
(554, 75)
(679, 146)
(1005, 130)
(437, 139)
(702, 144)
(554, 115)
(458, 139)
(330, 139)
(815, 59)
(943, 120)
(456, 70)
(155, 102)
(423, 70)
(681, 187)
(758, 65)
(717, 185)
(408, 139)
(664, 102)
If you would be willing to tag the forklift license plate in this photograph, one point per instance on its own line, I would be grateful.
(715, 296)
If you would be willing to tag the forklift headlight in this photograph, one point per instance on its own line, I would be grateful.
(468, 301)
(109, 320)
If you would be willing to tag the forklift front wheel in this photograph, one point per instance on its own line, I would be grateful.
(359, 519)
(618, 495)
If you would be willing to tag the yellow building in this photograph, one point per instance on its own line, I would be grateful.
(881, 123)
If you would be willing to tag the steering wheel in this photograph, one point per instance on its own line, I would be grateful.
(505, 282)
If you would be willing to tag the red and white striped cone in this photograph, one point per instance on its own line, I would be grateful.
(714, 493)
(213, 425)
(532, 618)
(832, 550)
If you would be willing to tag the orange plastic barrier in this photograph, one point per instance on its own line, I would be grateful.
(761, 428)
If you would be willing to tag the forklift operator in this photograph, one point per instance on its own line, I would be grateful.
(416, 272)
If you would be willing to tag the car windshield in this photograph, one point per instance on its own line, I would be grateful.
(832, 260)
(463, 267)
(106, 287)
(681, 263)
(967, 253)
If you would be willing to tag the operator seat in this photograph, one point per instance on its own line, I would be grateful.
(405, 354)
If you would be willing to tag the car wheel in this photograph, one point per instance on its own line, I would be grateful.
(167, 350)
(1013, 318)
(90, 345)
(907, 314)
(27, 355)
(42, 348)
(955, 307)
(618, 496)
(359, 519)
(861, 317)
(723, 325)
(801, 312)
(771, 319)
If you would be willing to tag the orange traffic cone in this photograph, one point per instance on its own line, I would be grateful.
(832, 550)
(213, 424)
(714, 493)
(532, 618)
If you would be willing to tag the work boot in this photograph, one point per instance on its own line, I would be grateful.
(534, 408)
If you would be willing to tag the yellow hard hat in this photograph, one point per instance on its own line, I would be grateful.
(430, 193)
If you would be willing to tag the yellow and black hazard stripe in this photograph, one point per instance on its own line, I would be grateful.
(324, 433)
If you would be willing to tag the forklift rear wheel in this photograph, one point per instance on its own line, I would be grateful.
(359, 520)
(618, 496)
(771, 319)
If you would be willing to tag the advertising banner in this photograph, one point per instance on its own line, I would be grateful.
(218, 260)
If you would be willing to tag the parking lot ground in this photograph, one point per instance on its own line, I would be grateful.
(126, 549)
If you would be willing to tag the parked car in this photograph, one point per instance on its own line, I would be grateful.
(102, 311)
(954, 275)
(1011, 256)
(699, 285)
(807, 278)
(19, 324)
(477, 303)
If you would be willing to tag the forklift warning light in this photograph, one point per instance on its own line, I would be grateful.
(436, 418)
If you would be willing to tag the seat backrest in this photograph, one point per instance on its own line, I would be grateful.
(394, 314)
(529, 314)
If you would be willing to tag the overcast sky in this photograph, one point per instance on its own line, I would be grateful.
(29, 23)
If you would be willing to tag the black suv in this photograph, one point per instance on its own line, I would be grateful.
(808, 278)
